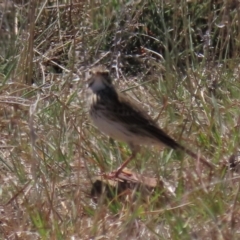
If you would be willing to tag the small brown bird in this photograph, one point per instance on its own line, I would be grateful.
(118, 117)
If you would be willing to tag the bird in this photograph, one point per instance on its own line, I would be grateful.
(121, 118)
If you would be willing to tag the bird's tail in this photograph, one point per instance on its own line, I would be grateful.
(168, 141)
(195, 156)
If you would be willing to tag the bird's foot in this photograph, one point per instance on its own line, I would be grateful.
(112, 175)
(119, 173)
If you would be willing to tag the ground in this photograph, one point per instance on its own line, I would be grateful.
(179, 60)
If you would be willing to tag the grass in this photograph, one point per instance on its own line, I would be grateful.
(179, 60)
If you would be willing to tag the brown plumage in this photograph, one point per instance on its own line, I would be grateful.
(118, 117)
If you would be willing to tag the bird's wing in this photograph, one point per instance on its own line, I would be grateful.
(138, 121)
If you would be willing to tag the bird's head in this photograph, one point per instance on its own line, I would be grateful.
(99, 78)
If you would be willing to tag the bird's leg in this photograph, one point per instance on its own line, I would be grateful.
(134, 149)
(114, 174)
(119, 170)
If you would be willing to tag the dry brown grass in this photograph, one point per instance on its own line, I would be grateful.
(50, 151)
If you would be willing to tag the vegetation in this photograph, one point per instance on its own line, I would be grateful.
(179, 59)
